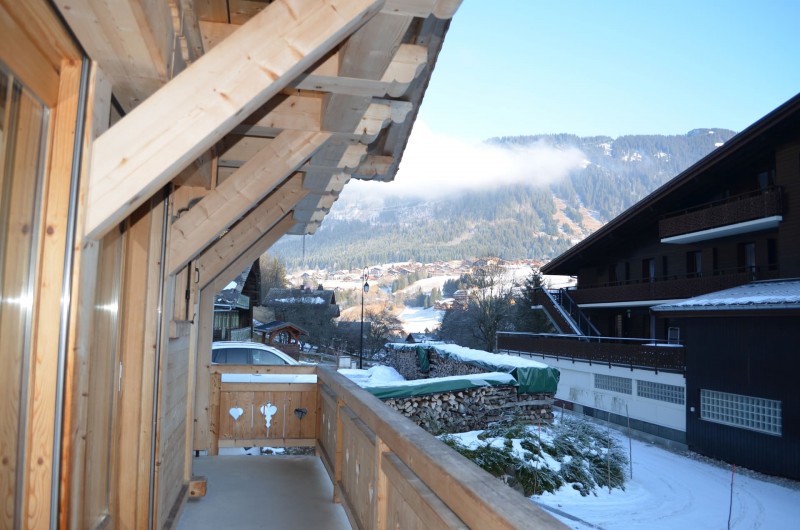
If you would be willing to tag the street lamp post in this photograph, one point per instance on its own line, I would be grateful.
(361, 341)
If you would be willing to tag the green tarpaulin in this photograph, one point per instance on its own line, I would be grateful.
(537, 378)
(441, 384)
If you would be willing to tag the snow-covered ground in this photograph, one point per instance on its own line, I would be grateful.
(417, 319)
(670, 490)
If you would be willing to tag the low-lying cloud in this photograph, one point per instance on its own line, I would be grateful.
(434, 165)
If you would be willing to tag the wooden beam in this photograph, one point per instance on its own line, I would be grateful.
(407, 63)
(248, 230)
(227, 248)
(159, 138)
(442, 9)
(218, 210)
(235, 267)
(42, 401)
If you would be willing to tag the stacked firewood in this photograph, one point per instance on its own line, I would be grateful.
(474, 408)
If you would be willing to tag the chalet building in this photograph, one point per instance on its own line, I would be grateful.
(638, 337)
(233, 306)
(150, 148)
(285, 336)
(321, 303)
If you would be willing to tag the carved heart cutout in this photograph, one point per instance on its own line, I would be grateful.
(235, 412)
(301, 413)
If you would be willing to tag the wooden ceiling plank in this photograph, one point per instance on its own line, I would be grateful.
(221, 273)
(212, 10)
(218, 210)
(153, 143)
(132, 40)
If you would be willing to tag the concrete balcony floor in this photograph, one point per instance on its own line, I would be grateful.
(255, 492)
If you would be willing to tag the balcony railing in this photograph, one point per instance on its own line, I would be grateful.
(386, 471)
(746, 207)
(630, 353)
(671, 287)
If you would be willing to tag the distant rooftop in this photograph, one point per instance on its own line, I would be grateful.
(770, 294)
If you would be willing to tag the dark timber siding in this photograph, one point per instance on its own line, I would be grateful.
(751, 356)
(787, 165)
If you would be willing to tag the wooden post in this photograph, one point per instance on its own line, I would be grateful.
(213, 414)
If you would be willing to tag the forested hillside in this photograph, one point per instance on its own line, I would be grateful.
(513, 221)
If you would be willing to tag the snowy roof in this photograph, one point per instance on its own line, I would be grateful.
(469, 355)
(771, 294)
(299, 296)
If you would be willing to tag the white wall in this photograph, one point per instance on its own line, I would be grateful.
(577, 385)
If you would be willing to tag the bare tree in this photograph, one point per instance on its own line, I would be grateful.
(384, 326)
(491, 297)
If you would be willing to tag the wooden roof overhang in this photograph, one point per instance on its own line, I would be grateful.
(755, 143)
(256, 113)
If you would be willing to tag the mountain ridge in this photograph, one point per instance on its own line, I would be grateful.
(513, 221)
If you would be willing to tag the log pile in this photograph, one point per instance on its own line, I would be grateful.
(473, 408)
(406, 364)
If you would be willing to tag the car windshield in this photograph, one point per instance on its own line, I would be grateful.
(266, 357)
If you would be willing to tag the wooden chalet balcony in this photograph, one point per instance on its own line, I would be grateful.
(629, 353)
(373, 468)
(670, 287)
(738, 209)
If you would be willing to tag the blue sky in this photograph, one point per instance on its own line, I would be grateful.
(611, 67)
(512, 67)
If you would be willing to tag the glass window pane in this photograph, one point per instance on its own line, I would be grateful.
(24, 124)
(266, 357)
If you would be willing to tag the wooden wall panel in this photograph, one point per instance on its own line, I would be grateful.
(286, 428)
(326, 428)
(787, 167)
(172, 427)
(202, 390)
(359, 473)
(410, 503)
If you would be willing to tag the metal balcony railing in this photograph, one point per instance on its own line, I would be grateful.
(672, 286)
(630, 353)
(738, 209)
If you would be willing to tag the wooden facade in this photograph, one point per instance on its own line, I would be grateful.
(752, 356)
(150, 152)
(730, 220)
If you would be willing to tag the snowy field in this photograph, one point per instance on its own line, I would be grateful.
(417, 319)
(672, 491)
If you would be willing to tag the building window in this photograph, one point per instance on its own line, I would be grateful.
(623, 385)
(772, 254)
(664, 267)
(694, 263)
(649, 270)
(661, 392)
(746, 412)
(747, 257)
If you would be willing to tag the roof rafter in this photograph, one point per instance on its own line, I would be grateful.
(218, 210)
(185, 118)
(219, 273)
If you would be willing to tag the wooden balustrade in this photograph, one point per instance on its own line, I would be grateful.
(387, 472)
